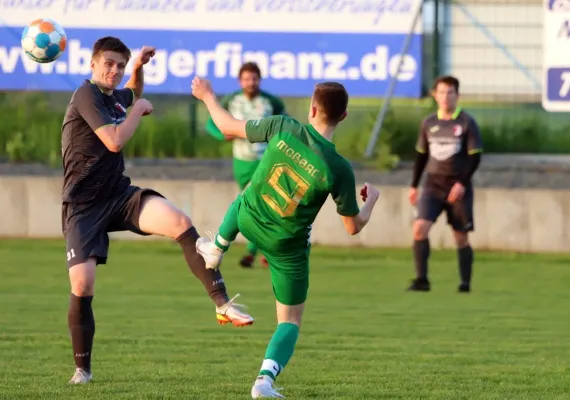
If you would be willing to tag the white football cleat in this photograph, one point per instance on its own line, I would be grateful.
(264, 389)
(230, 313)
(211, 253)
(80, 377)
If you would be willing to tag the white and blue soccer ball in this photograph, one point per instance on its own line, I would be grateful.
(44, 40)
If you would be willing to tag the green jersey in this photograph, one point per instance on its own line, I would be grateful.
(297, 173)
(242, 108)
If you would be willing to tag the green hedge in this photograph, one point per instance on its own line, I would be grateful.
(30, 131)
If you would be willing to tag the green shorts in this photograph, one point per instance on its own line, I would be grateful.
(289, 270)
(289, 276)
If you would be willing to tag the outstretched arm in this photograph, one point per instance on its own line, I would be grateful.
(230, 127)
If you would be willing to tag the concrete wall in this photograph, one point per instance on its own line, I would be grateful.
(518, 220)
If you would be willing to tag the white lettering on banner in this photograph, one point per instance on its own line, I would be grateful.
(342, 16)
(565, 87)
(225, 60)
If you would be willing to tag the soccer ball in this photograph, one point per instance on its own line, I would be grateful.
(44, 40)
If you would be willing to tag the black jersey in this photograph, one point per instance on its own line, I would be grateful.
(449, 143)
(91, 171)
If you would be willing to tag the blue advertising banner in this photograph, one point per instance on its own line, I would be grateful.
(296, 43)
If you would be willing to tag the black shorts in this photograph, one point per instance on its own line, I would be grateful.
(459, 215)
(86, 226)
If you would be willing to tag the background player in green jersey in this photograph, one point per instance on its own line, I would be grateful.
(247, 103)
(297, 173)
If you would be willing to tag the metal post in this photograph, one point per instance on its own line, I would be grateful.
(382, 114)
(436, 44)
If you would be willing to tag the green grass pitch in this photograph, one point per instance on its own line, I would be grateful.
(363, 336)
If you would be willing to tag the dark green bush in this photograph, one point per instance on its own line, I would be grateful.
(31, 132)
(30, 129)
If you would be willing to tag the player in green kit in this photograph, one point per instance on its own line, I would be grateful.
(297, 173)
(248, 103)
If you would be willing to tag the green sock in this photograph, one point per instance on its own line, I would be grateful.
(229, 228)
(280, 349)
(251, 248)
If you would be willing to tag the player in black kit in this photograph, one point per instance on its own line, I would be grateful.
(98, 198)
(449, 143)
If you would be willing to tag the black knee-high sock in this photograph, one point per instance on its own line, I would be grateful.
(421, 255)
(211, 279)
(82, 328)
(465, 259)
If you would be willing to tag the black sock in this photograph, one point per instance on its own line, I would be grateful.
(465, 258)
(82, 328)
(211, 279)
(421, 255)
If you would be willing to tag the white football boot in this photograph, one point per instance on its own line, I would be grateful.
(211, 253)
(80, 377)
(263, 388)
(231, 313)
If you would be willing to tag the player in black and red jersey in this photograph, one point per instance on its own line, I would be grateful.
(449, 148)
(98, 198)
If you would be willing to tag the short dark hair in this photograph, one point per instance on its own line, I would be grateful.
(332, 100)
(249, 67)
(110, 43)
(447, 80)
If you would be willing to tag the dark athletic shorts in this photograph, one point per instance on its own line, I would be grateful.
(433, 202)
(86, 226)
